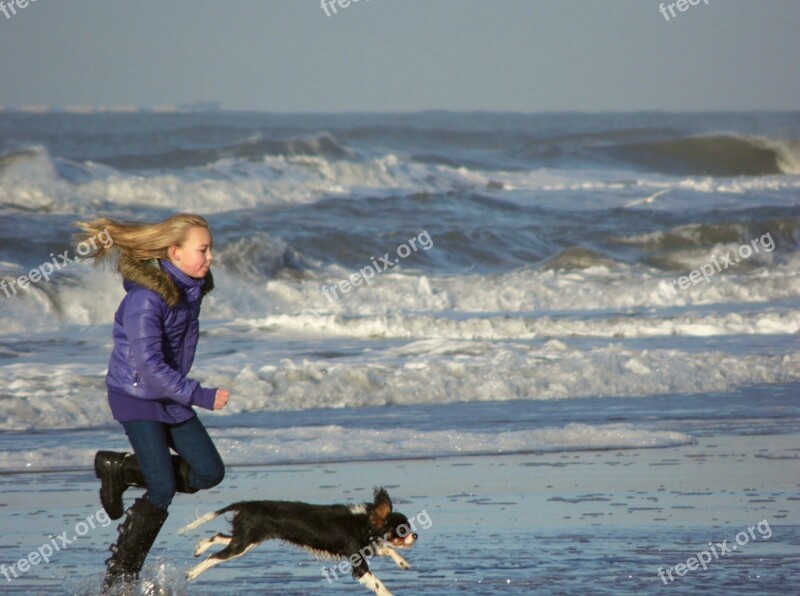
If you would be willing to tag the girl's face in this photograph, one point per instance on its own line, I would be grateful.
(193, 257)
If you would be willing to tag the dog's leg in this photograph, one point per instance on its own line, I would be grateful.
(201, 567)
(368, 579)
(204, 545)
(371, 582)
(388, 551)
(215, 559)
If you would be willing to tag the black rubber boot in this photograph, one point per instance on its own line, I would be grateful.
(116, 471)
(119, 471)
(181, 469)
(136, 536)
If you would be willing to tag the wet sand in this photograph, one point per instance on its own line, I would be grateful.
(591, 522)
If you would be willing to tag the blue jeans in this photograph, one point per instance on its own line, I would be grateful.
(151, 441)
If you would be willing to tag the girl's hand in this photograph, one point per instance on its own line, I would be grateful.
(221, 399)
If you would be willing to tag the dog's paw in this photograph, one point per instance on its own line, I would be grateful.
(401, 562)
(202, 547)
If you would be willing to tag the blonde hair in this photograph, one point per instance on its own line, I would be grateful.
(140, 241)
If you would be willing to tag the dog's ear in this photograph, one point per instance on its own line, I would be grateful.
(381, 508)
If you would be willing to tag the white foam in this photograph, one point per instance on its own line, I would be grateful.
(79, 294)
(32, 182)
(43, 391)
(42, 395)
(528, 325)
(474, 372)
(412, 339)
(302, 303)
(248, 446)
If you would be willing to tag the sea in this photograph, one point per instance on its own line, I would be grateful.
(392, 286)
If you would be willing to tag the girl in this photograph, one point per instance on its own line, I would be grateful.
(165, 271)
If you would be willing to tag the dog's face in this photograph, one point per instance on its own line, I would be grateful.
(395, 527)
(400, 533)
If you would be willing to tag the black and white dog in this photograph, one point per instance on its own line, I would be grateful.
(353, 532)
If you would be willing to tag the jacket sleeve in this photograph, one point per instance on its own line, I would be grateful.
(145, 328)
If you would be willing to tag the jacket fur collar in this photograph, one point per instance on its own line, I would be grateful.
(149, 275)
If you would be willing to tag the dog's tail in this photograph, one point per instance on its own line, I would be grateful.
(203, 519)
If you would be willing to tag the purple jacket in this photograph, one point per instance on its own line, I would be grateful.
(155, 336)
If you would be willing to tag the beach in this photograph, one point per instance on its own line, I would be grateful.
(567, 340)
(589, 522)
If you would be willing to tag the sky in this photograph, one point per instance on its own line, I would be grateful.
(404, 55)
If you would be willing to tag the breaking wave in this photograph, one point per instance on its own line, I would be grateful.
(715, 155)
